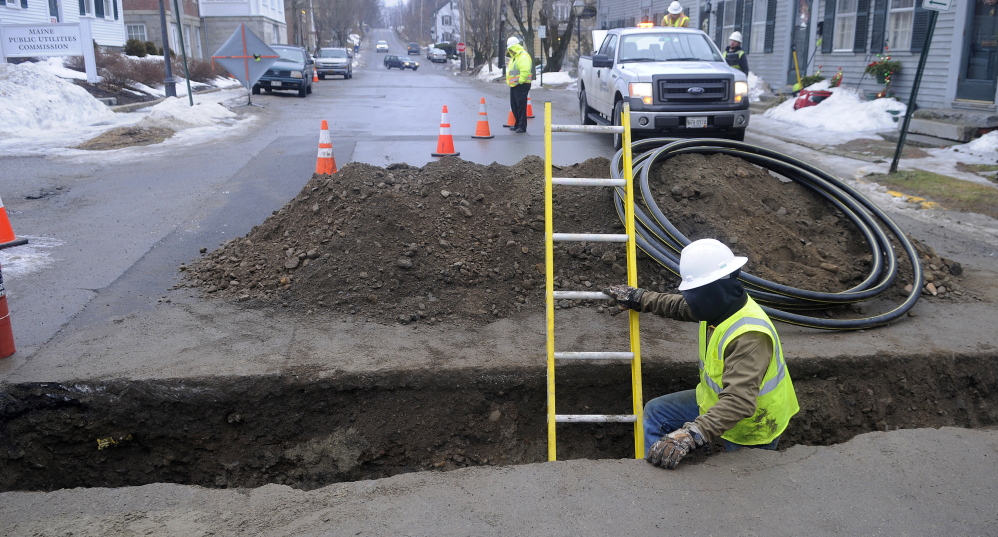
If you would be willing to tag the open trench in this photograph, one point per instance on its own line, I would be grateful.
(308, 432)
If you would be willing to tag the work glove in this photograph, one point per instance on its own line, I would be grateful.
(625, 295)
(671, 448)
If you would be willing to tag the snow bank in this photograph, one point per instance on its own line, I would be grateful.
(32, 98)
(177, 114)
(844, 111)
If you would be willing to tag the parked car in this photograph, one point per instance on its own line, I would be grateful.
(292, 71)
(438, 55)
(401, 62)
(382, 46)
(413, 48)
(334, 61)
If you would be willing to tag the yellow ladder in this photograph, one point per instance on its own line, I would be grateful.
(550, 237)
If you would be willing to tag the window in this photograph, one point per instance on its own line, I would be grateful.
(108, 8)
(728, 23)
(136, 31)
(899, 24)
(758, 39)
(445, 20)
(845, 25)
(277, 34)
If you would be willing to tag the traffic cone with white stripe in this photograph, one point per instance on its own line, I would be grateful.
(482, 129)
(445, 142)
(7, 237)
(511, 122)
(325, 163)
(530, 109)
(6, 333)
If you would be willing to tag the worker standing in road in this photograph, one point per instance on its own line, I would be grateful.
(745, 396)
(676, 18)
(734, 54)
(519, 73)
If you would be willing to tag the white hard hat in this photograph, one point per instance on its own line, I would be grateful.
(705, 261)
(736, 36)
(675, 7)
(512, 41)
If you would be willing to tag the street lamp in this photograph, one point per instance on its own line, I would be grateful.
(577, 8)
(502, 40)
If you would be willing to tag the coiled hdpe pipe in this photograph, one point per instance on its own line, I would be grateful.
(658, 238)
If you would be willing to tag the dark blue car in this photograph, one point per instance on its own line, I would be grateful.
(291, 72)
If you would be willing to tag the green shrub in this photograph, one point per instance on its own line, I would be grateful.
(151, 48)
(134, 47)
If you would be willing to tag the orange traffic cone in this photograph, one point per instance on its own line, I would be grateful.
(445, 142)
(482, 129)
(511, 122)
(530, 109)
(325, 163)
(7, 238)
(315, 77)
(6, 333)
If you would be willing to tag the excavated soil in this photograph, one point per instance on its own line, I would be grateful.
(463, 243)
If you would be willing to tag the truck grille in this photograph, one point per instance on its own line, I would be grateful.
(693, 90)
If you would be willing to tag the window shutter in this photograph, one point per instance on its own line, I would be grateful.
(739, 7)
(24, 4)
(862, 25)
(115, 4)
(747, 32)
(99, 8)
(770, 26)
(719, 26)
(828, 30)
(3, 2)
(919, 28)
(83, 7)
(879, 26)
(704, 19)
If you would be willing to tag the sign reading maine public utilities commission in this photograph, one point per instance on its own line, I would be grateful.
(41, 40)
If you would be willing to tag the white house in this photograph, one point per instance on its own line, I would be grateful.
(446, 23)
(220, 18)
(107, 24)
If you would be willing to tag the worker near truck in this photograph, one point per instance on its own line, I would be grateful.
(745, 396)
(734, 54)
(675, 17)
(519, 72)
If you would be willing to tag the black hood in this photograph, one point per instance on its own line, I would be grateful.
(717, 300)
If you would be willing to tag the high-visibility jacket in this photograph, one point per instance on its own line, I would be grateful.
(776, 402)
(520, 69)
(735, 60)
(681, 22)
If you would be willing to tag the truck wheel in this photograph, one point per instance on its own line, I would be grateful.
(618, 110)
(584, 109)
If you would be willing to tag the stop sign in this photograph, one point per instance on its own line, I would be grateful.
(460, 47)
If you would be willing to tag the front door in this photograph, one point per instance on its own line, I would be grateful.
(980, 55)
(800, 42)
(54, 11)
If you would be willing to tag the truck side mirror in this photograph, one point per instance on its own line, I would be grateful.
(602, 60)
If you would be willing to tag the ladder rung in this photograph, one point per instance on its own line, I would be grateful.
(595, 418)
(572, 181)
(604, 129)
(580, 295)
(590, 237)
(595, 355)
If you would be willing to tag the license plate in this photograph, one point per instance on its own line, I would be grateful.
(696, 122)
(278, 84)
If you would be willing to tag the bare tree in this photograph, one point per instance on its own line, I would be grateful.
(480, 29)
(521, 16)
(335, 20)
(557, 44)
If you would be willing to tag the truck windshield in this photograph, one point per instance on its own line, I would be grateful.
(663, 47)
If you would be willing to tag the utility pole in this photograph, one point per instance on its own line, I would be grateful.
(169, 84)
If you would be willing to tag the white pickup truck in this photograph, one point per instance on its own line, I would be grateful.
(675, 80)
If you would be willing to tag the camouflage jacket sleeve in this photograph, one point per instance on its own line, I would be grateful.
(746, 359)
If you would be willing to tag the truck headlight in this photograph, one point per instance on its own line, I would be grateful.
(295, 74)
(641, 90)
(741, 90)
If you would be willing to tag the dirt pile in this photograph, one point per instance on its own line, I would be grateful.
(458, 241)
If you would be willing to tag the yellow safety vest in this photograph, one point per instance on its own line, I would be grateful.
(776, 402)
(521, 68)
(681, 22)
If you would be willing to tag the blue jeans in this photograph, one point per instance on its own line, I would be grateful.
(669, 412)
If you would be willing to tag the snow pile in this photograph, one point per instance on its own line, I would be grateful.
(756, 87)
(986, 146)
(31, 98)
(177, 114)
(844, 111)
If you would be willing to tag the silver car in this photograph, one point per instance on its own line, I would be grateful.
(334, 61)
(438, 55)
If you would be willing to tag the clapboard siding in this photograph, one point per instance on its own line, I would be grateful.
(107, 31)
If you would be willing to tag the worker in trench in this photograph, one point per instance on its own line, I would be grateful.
(745, 396)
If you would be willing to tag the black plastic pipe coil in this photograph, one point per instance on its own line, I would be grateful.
(658, 238)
